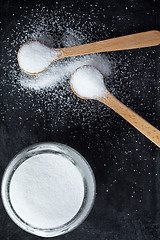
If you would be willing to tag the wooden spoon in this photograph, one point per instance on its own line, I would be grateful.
(137, 40)
(108, 99)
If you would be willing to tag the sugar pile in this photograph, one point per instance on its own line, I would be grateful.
(63, 69)
(34, 57)
(46, 191)
(87, 82)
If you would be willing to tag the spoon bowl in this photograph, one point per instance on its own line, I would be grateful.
(109, 100)
(34, 57)
(137, 40)
(83, 84)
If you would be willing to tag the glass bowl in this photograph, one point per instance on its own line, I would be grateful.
(81, 165)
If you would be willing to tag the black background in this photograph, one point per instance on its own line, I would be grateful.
(125, 163)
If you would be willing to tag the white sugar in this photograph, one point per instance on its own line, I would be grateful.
(46, 191)
(63, 69)
(87, 82)
(34, 57)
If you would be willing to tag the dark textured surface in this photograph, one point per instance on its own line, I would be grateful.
(125, 163)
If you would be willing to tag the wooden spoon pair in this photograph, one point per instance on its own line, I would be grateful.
(138, 40)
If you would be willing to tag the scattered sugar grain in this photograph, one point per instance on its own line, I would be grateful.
(52, 28)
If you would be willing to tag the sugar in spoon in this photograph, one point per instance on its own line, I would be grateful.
(35, 57)
(87, 82)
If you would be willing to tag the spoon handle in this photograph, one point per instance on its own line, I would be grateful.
(137, 40)
(134, 119)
